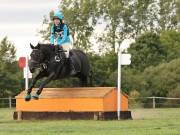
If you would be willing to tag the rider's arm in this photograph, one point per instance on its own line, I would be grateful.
(52, 35)
(65, 35)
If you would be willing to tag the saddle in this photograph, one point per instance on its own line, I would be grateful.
(72, 61)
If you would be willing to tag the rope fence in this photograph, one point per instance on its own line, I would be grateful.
(7, 102)
(154, 102)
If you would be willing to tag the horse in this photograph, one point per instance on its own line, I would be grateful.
(43, 64)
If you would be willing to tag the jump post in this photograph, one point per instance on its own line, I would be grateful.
(98, 103)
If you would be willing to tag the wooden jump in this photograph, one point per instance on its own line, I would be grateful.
(73, 103)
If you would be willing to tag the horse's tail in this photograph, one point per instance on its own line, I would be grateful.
(91, 77)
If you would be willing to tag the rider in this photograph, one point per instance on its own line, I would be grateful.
(60, 37)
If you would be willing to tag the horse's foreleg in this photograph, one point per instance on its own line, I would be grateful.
(43, 83)
(34, 80)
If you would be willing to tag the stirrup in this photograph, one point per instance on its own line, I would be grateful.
(57, 59)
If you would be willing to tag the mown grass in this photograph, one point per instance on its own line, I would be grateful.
(146, 122)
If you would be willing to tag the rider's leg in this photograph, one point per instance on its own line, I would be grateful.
(67, 47)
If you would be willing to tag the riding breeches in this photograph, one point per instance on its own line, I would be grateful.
(66, 47)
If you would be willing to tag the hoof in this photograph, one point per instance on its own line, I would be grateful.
(36, 97)
(28, 97)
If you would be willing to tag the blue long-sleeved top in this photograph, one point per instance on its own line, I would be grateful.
(60, 33)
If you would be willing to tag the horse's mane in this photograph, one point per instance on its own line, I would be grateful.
(45, 46)
(47, 49)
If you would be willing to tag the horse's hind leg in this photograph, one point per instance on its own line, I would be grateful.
(83, 81)
(43, 83)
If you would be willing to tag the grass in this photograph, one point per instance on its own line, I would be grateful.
(146, 122)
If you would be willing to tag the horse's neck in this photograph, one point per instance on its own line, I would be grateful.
(48, 52)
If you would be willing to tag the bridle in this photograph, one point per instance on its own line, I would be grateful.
(37, 63)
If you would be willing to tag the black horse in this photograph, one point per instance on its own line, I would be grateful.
(42, 64)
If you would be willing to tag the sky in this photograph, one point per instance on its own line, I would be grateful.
(20, 21)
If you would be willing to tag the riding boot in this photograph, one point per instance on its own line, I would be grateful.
(72, 69)
(57, 59)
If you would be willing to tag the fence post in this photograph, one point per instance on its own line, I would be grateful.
(154, 102)
(10, 103)
(19, 115)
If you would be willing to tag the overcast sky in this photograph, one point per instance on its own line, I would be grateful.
(21, 19)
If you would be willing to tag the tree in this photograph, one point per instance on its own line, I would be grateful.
(111, 11)
(178, 10)
(147, 51)
(171, 42)
(162, 79)
(9, 73)
(150, 52)
(125, 19)
(168, 15)
(103, 67)
(129, 19)
(7, 51)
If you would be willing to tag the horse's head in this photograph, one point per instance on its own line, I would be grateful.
(36, 57)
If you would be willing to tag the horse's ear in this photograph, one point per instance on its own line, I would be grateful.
(32, 47)
(38, 46)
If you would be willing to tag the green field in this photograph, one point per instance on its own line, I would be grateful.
(146, 122)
